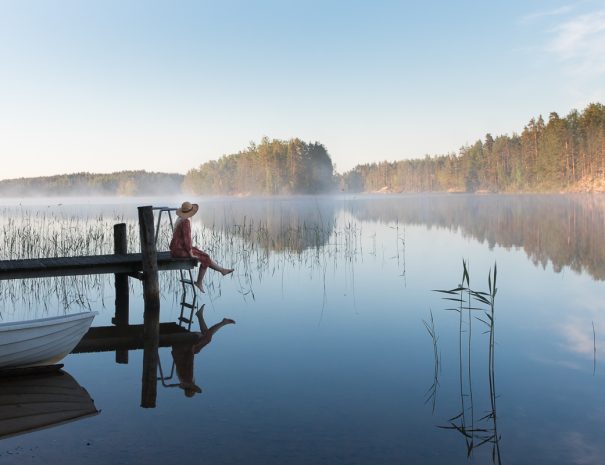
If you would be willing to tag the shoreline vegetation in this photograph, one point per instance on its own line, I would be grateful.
(123, 183)
(562, 155)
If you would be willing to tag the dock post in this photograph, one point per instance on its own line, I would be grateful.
(151, 318)
(120, 246)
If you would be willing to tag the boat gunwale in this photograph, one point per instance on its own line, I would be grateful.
(49, 321)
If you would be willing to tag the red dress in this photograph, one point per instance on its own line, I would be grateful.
(180, 245)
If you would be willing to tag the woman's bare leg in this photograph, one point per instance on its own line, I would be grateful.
(214, 328)
(200, 319)
(219, 268)
(207, 333)
(200, 278)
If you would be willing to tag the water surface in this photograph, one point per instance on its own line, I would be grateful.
(329, 361)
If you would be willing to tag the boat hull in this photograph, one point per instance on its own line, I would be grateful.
(41, 342)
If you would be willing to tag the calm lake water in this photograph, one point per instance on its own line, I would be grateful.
(330, 361)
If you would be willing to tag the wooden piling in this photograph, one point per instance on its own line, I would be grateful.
(120, 246)
(151, 296)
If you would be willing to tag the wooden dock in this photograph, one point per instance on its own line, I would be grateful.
(93, 264)
(143, 266)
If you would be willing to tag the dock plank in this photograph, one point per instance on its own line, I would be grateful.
(86, 265)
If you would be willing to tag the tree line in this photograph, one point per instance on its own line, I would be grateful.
(560, 154)
(123, 183)
(269, 168)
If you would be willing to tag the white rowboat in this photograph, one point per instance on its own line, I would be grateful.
(41, 342)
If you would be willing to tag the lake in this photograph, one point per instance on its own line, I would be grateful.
(343, 351)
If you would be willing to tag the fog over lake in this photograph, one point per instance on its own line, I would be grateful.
(343, 351)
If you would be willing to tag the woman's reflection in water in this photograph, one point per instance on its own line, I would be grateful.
(183, 354)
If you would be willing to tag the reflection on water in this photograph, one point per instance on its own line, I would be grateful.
(564, 230)
(185, 344)
(245, 235)
(261, 237)
(183, 355)
(291, 225)
(329, 362)
(33, 402)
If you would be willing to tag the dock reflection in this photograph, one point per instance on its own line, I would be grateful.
(37, 401)
(184, 344)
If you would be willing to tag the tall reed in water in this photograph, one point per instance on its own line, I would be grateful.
(431, 393)
(469, 302)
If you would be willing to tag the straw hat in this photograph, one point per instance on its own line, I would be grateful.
(187, 210)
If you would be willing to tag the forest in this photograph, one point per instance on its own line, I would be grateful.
(269, 168)
(562, 154)
(123, 183)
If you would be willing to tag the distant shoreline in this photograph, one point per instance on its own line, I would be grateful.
(177, 197)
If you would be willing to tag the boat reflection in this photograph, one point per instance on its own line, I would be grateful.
(37, 401)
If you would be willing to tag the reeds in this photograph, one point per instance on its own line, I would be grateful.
(431, 393)
(470, 303)
(594, 350)
(256, 248)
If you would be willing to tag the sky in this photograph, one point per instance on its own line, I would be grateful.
(103, 86)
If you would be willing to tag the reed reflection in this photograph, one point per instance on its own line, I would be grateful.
(183, 355)
(471, 305)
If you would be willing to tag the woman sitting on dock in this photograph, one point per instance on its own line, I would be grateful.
(181, 245)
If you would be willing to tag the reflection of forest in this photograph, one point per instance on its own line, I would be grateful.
(566, 230)
(287, 224)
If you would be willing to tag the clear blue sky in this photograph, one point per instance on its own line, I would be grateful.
(105, 86)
